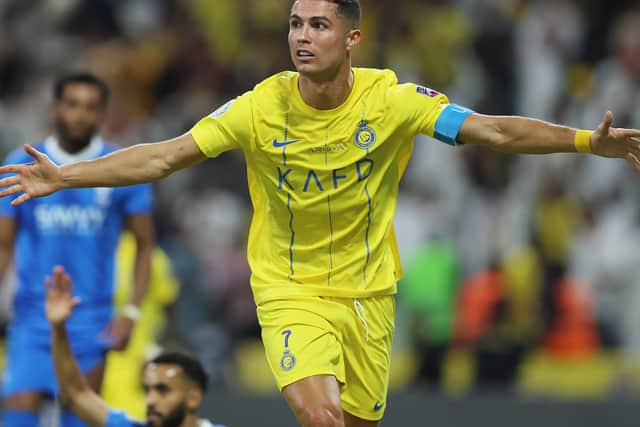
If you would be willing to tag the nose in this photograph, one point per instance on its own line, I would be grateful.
(150, 400)
(303, 34)
(80, 117)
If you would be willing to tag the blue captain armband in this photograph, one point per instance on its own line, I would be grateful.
(449, 123)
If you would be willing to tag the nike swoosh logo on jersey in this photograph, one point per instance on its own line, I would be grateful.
(279, 144)
(378, 406)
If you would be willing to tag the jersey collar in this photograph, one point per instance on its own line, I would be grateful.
(58, 155)
(345, 106)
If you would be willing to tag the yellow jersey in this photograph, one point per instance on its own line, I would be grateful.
(324, 183)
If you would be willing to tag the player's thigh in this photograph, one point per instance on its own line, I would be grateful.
(315, 400)
(353, 421)
(299, 339)
(28, 366)
(368, 357)
(29, 375)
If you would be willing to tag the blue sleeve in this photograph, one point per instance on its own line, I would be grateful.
(15, 157)
(449, 123)
(120, 419)
(138, 199)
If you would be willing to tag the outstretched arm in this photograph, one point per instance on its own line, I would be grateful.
(75, 392)
(134, 165)
(529, 136)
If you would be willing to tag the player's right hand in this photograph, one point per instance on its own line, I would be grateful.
(36, 179)
(607, 141)
(59, 303)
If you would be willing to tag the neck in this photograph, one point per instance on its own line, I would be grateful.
(326, 94)
(191, 420)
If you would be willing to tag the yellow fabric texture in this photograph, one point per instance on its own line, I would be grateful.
(582, 141)
(323, 183)
(355, 346)
(122, 381)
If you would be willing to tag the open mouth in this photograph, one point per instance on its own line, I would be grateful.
(304, 54)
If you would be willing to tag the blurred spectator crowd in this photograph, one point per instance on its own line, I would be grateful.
(504, 255)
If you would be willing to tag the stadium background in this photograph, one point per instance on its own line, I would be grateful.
(520, 300)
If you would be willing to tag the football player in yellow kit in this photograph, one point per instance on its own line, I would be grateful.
(326, 147)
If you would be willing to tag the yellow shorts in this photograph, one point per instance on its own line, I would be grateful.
(348, 338)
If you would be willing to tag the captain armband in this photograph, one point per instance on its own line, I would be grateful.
(449, 123)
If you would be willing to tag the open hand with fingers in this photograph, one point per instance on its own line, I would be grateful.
(607, 141)
(59, 302)
(38, 178)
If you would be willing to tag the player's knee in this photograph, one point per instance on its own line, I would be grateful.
(322, 416)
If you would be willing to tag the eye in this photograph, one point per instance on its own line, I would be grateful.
(321, 26)
(295, 24)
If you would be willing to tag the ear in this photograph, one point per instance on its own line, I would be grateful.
(353, 39)
(194, 397)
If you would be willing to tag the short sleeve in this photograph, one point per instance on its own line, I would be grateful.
(227, 128)
(427, 111)
(417, 107)
(120, 419)
(138, 199)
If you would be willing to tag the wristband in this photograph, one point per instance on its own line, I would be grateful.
(132, 312)
(582, 141)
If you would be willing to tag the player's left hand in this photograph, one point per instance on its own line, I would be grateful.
(59, 302)
(607, 141)
(120, 332)
(36, 179)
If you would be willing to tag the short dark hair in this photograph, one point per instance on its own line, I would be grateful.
(350, 9)
(191, 366)
(83, 78)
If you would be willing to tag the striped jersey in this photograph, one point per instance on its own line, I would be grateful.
(324, 183)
